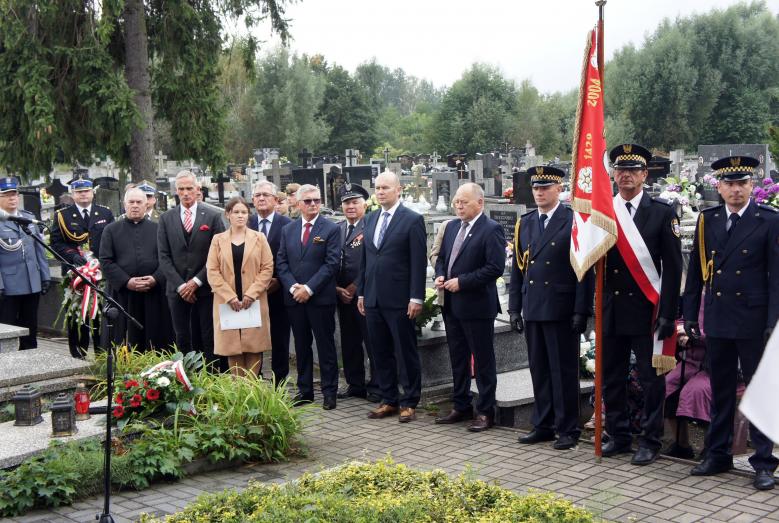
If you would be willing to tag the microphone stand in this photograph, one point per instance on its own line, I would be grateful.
(112, 310)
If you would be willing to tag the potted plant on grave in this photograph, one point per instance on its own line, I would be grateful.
(767, 193)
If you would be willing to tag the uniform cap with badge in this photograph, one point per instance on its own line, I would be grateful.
(349, 191)
(629, 156)
(8, 184)
(735, 168)
(147, 188)
(542, 175)
(80, 184)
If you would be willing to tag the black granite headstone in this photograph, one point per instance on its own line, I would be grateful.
(56, 189)
(523, 191)
(506, 215)
(360, 173)
(31, 200)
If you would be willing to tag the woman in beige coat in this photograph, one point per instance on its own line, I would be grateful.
(240, 247)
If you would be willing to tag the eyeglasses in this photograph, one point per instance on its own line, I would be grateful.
(263, 195)
(312, 201)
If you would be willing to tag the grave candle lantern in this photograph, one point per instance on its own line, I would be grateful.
(63, 417)
(27, 407)
(81, 398)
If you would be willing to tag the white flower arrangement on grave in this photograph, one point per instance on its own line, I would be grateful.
(683, 193)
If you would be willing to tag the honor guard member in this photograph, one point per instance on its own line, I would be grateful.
(24, 271)
(630, 320)
(76, 230)
(555, 306)
(354, 327)
(151, 201)
(735, 264)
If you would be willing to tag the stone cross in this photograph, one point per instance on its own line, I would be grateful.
(435, 158)
(304, 156)
(386, 157)
(220, 186)
(462, 170)
(416, 188)
(351, 155)
(160, 159)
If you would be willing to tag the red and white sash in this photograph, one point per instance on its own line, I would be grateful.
(639, 261)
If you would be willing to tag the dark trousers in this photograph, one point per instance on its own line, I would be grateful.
(279, 338)
(553, 356)
(354, 333)
(309, 323)
(394, 343)
(22, 311)
(193, 324)
(466, 338)
(725, 355)
(616, 362)
(79, 336)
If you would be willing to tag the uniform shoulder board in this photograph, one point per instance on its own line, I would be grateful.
(711, 209)
(662, 200)
(101, 206)
(767, 207)
(26, 213)
(528, 213)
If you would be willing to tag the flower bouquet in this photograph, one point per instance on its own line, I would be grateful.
(587, 356)
(767, 193)
(509, 193)
(430, 309)
(682, 193)
(80, 303)
(163, 388)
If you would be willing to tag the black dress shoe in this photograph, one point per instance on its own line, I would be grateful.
(373, 397)
(350, 392)
(644, 456)
(710, 467)
(455, 416)
(612, 449)
(299, 399)
(328, 403)
(565, 442)
(764, 480)
(677, 451)
(536, 436)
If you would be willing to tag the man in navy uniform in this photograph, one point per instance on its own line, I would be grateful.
(735, 261)
(630, 321)
(75, 235)
(471, 259)
(24, 271)
(354, 328)
(270, 223)
(555, 306)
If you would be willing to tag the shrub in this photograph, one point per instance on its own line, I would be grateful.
(378, 492)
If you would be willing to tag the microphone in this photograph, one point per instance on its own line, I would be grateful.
(21, 220)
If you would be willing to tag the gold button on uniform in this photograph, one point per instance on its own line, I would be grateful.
(616, 293)
(719, 293)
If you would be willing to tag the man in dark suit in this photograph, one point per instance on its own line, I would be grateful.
(544, 290)
(354, 327)
(630, 320)
(735, 258)
(471, 259)
(183, 239)
(391, 291)
(270, 223)
(75, 226)
(308, 262)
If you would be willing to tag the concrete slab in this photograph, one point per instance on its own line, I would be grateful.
(22, 367)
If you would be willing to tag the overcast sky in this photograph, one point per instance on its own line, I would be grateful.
(438, 39)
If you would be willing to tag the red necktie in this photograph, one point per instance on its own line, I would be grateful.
(306, 233)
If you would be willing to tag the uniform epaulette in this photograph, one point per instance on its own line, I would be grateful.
(710, 209)
(528, 213)
(767, 207)
(662, 200)
(101, 206)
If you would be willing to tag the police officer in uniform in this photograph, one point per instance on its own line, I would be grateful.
(629, 318)
(77, 229)
(24, 271)
(544, 289)
(354, 328)
(735, 261)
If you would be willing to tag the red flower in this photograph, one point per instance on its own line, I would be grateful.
(152, 394)
(205, 228)
(136, 400)
(130, 383)
(118, 411)
(119, 397)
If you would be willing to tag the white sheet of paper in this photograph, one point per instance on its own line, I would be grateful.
(243, 319)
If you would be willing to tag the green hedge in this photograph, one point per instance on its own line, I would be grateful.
(378, 492)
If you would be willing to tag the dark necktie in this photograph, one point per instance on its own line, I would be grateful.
(264, 229)
(732, 221)
(349, 231)
(383, 228)
(542, 222)
(86, 215)
(629, 207)
(458, 243)
(306, 233)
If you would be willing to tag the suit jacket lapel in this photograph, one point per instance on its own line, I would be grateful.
(642, 213)
(473, 229)
(179, 225)
(554, 225)
(314, 231)
(250, 242)
(199, 218)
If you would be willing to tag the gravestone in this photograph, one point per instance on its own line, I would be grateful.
(396, 168)
(304, 157)
(161, 170)
(444, 184)
(311, 176)
(476, 168)
(362, 175)
(334, 178)
(56, 190)
(406, 161)
(710, 153)
(31, 200)
(108, 193)
(164, 190)
(506, 214)
(351, 156)
(523, 191)
(658, 167)
(280, 176)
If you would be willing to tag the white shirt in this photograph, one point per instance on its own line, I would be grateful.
(82, 209)
(740, 213)
(633, 202)
(470, 223)
(270, 221)
(548, 214)
(379, 224)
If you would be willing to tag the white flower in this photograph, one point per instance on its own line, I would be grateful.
(215, 407)
(583, 348)
(590, 366)
(163, 382)
(698, 196)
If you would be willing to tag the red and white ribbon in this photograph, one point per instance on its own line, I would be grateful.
(89, 298)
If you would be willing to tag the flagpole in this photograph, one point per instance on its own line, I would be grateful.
(600, 267)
